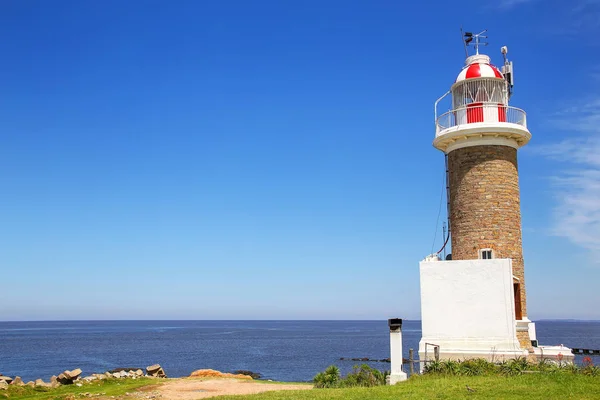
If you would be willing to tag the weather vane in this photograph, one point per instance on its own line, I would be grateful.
(469, 37)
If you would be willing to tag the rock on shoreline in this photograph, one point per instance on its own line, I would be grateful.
(74, 377)
(156, 371)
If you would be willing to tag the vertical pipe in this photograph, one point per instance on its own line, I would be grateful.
(411, 360)
(447, 194)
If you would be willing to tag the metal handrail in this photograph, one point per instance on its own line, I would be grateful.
(448, 120)
(436, 352)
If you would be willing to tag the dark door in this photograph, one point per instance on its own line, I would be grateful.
(518, 312)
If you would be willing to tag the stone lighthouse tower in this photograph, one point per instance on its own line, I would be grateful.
(475, 305)
(481, 136)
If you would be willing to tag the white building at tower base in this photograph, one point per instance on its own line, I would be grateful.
(468, 311)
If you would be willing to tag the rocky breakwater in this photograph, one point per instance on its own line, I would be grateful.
(74, 377)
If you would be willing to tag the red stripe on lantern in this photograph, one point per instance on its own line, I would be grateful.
(474, 71)
(474, 113)
(501, 112)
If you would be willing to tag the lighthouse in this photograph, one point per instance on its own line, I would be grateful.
(473, 304)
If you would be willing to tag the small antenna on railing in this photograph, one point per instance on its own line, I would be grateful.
(507, 71)
(468, 38)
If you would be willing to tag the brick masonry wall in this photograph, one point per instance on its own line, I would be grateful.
(485, 207)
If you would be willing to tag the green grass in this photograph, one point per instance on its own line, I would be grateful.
(526, 386)
(559, 385)
(110, 387)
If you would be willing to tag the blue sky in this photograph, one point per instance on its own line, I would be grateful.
(270, 160)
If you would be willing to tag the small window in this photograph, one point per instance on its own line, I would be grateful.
(486, 254)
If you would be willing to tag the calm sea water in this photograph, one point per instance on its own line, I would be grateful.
(279, 350)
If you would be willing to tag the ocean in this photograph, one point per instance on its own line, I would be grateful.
(278, 350)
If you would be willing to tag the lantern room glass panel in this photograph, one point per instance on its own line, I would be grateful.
(483, 90)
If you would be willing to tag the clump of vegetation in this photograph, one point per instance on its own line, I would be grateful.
(589, 368)
(517, 366)
(329, 378)
(361, 376)
(364, 376)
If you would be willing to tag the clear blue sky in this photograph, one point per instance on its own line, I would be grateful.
(273, 159)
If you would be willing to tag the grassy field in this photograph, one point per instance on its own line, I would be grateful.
(526, 386)
(108, 388)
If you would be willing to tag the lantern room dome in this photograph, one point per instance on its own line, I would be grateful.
(478, 66)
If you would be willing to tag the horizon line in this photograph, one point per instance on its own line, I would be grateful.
(265, 320)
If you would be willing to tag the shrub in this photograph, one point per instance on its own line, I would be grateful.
(328, 379)
(363, 375)
(433, 367)
(516, 366)
(477, 366)
(589, 368)
(451, 367)
(545, 365)
(470, 367)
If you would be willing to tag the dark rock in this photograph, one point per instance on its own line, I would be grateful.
(63, 379)
(254, 375)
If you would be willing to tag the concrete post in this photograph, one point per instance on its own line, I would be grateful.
(396, 373)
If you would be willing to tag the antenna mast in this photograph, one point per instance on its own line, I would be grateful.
(469, 36)
(463, 38)
(507, 71)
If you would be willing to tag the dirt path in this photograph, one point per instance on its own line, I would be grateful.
(192, 389)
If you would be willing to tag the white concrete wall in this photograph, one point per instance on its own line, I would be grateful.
(467, 307)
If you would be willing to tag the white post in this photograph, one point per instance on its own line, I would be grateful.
(396, 373)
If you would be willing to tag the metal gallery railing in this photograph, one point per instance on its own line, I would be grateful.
(491, 112)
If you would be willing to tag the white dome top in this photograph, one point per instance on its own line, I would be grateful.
(478, 66)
